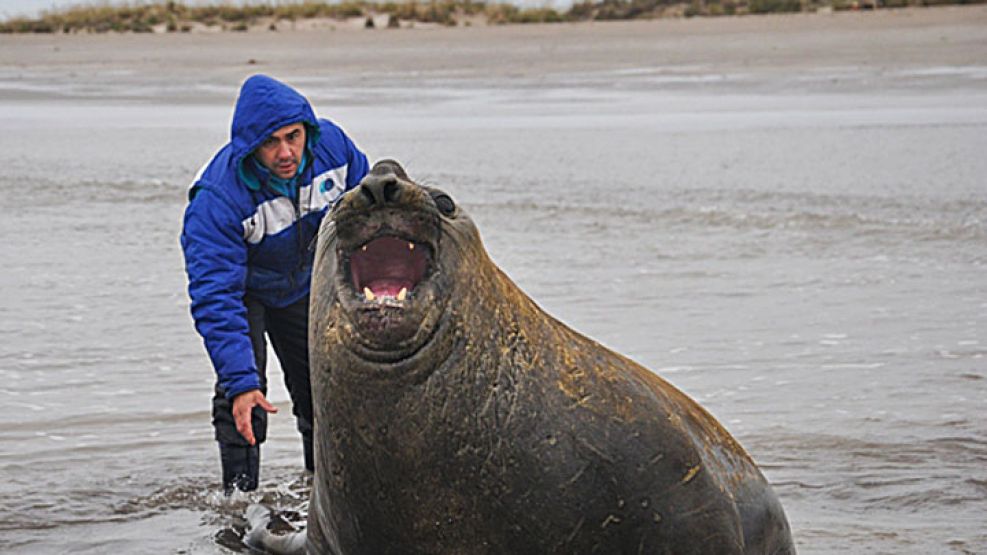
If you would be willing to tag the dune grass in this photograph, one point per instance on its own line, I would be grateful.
(172, 16)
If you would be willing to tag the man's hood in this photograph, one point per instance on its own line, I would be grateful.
(264, 106)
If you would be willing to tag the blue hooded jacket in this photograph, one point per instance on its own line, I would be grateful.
(243, 235)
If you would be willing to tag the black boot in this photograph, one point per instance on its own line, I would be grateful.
(309, 453)
(241, 467)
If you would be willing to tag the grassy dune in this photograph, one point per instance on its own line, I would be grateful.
(173, 16)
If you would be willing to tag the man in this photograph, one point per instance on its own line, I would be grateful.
(253, 212)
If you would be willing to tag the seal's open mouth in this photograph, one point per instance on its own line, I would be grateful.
(388, 268)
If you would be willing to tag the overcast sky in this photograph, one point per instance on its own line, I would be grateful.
(16, 8)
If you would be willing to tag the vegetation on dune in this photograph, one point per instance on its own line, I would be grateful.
(172, 16)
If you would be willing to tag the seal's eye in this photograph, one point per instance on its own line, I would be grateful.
(444, 203)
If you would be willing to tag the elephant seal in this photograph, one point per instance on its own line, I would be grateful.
(453, 415)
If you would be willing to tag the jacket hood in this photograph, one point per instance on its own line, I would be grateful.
(264, 106)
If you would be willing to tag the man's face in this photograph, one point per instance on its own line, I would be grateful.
(282, 151)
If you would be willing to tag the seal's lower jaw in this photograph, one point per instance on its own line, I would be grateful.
(387, 291)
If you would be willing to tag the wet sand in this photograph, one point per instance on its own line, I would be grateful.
(770, 45)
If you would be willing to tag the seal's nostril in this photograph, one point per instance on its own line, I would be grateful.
(368, 194)
(390, 191)
(381, 189)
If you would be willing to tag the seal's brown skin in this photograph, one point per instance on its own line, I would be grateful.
(467, 420)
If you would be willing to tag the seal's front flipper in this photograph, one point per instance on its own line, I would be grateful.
(260, 538)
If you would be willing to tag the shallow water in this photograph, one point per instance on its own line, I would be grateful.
(805, 260)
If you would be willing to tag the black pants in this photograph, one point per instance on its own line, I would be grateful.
(288, 330)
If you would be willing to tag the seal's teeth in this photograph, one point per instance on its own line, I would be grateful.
(411, 246)
(364, 248)
(402, 293)
(368, 293)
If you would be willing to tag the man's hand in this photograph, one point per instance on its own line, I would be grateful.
(243, 404)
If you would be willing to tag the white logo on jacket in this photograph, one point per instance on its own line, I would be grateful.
(278, 214)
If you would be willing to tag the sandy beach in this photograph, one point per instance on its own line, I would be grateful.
(785, 216)
(773, 45)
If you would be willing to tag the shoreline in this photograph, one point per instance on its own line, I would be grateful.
(943, 44)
